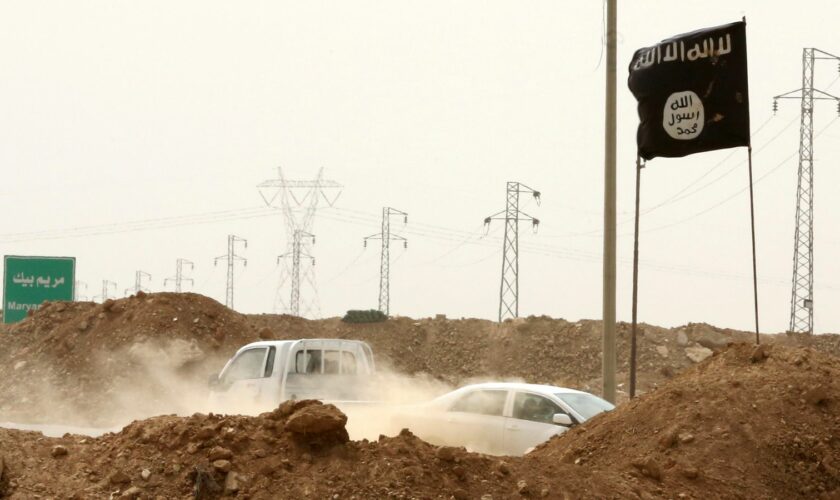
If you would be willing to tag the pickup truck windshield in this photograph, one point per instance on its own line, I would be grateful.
(249, 364)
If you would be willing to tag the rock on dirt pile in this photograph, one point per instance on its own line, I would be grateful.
(84, 363)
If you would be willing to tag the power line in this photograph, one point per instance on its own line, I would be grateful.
(345, 268)
(733, 195)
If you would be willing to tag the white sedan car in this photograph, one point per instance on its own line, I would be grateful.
(500, 418)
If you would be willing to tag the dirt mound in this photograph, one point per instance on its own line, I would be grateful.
(751, 422)
(85, 363)
(103, 364)
(534, 349)
(209, 456)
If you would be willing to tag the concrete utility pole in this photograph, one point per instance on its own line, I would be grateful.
(509, 290)
(385, 255)
(298, 201)
(608, 299)
(106, 286)
(179, 274)
(138, 282)
(231, 259)
(802, 293)
(299, 238)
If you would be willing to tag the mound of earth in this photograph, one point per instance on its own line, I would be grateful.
(535, 349)
(88, 364)
(751, 422)
(92, 364)
(273, 455)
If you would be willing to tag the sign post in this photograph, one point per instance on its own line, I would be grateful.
(29, 281)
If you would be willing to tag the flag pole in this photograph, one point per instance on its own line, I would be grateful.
(752, 227)
(635, 282)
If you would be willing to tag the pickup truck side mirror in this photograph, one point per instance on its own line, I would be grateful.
(562, 419)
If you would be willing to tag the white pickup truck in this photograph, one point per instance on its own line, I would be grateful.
(261, 375)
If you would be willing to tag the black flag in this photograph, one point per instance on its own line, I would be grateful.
(692, 92)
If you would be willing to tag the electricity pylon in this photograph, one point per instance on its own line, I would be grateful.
(298, 201)
(138, 282)
(179, 274)
(106, 285)
(509, 289)
(76, 287)
(385, 255)
(802, 293)
(298, 239)
(231, 259)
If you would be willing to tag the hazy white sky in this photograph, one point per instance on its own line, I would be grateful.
(118, 111)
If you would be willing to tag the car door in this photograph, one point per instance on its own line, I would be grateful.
(476, 421)
(243, 380)
(530, 423)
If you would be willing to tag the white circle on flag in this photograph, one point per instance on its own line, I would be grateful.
(683, 116)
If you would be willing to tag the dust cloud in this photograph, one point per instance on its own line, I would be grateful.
(398, 395)
(151, 377)
(145, 379)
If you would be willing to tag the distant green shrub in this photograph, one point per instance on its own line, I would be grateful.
(369, 316)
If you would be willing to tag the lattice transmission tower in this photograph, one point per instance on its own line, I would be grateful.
(299, 241)
(231, 259)
(139, 276)
(77, 287)
(802, 293)
(298, 201)
(106, 287)
(179, 278)
(385, 255)
(509, 289)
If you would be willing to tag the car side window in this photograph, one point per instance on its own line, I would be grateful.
(534, 408)
(331, 361)
(269, 363)
(348, 363)
(481, 402)
(248, 365)
(308, 362)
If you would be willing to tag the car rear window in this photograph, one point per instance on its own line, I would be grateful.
(586, 405)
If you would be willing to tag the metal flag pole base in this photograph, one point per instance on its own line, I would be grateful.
(752, 227)
(635, 282)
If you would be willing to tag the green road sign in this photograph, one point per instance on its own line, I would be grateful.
(29, 281)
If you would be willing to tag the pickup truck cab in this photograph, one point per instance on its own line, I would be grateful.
(261, 375)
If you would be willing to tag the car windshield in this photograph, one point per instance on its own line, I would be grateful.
(586, 405)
